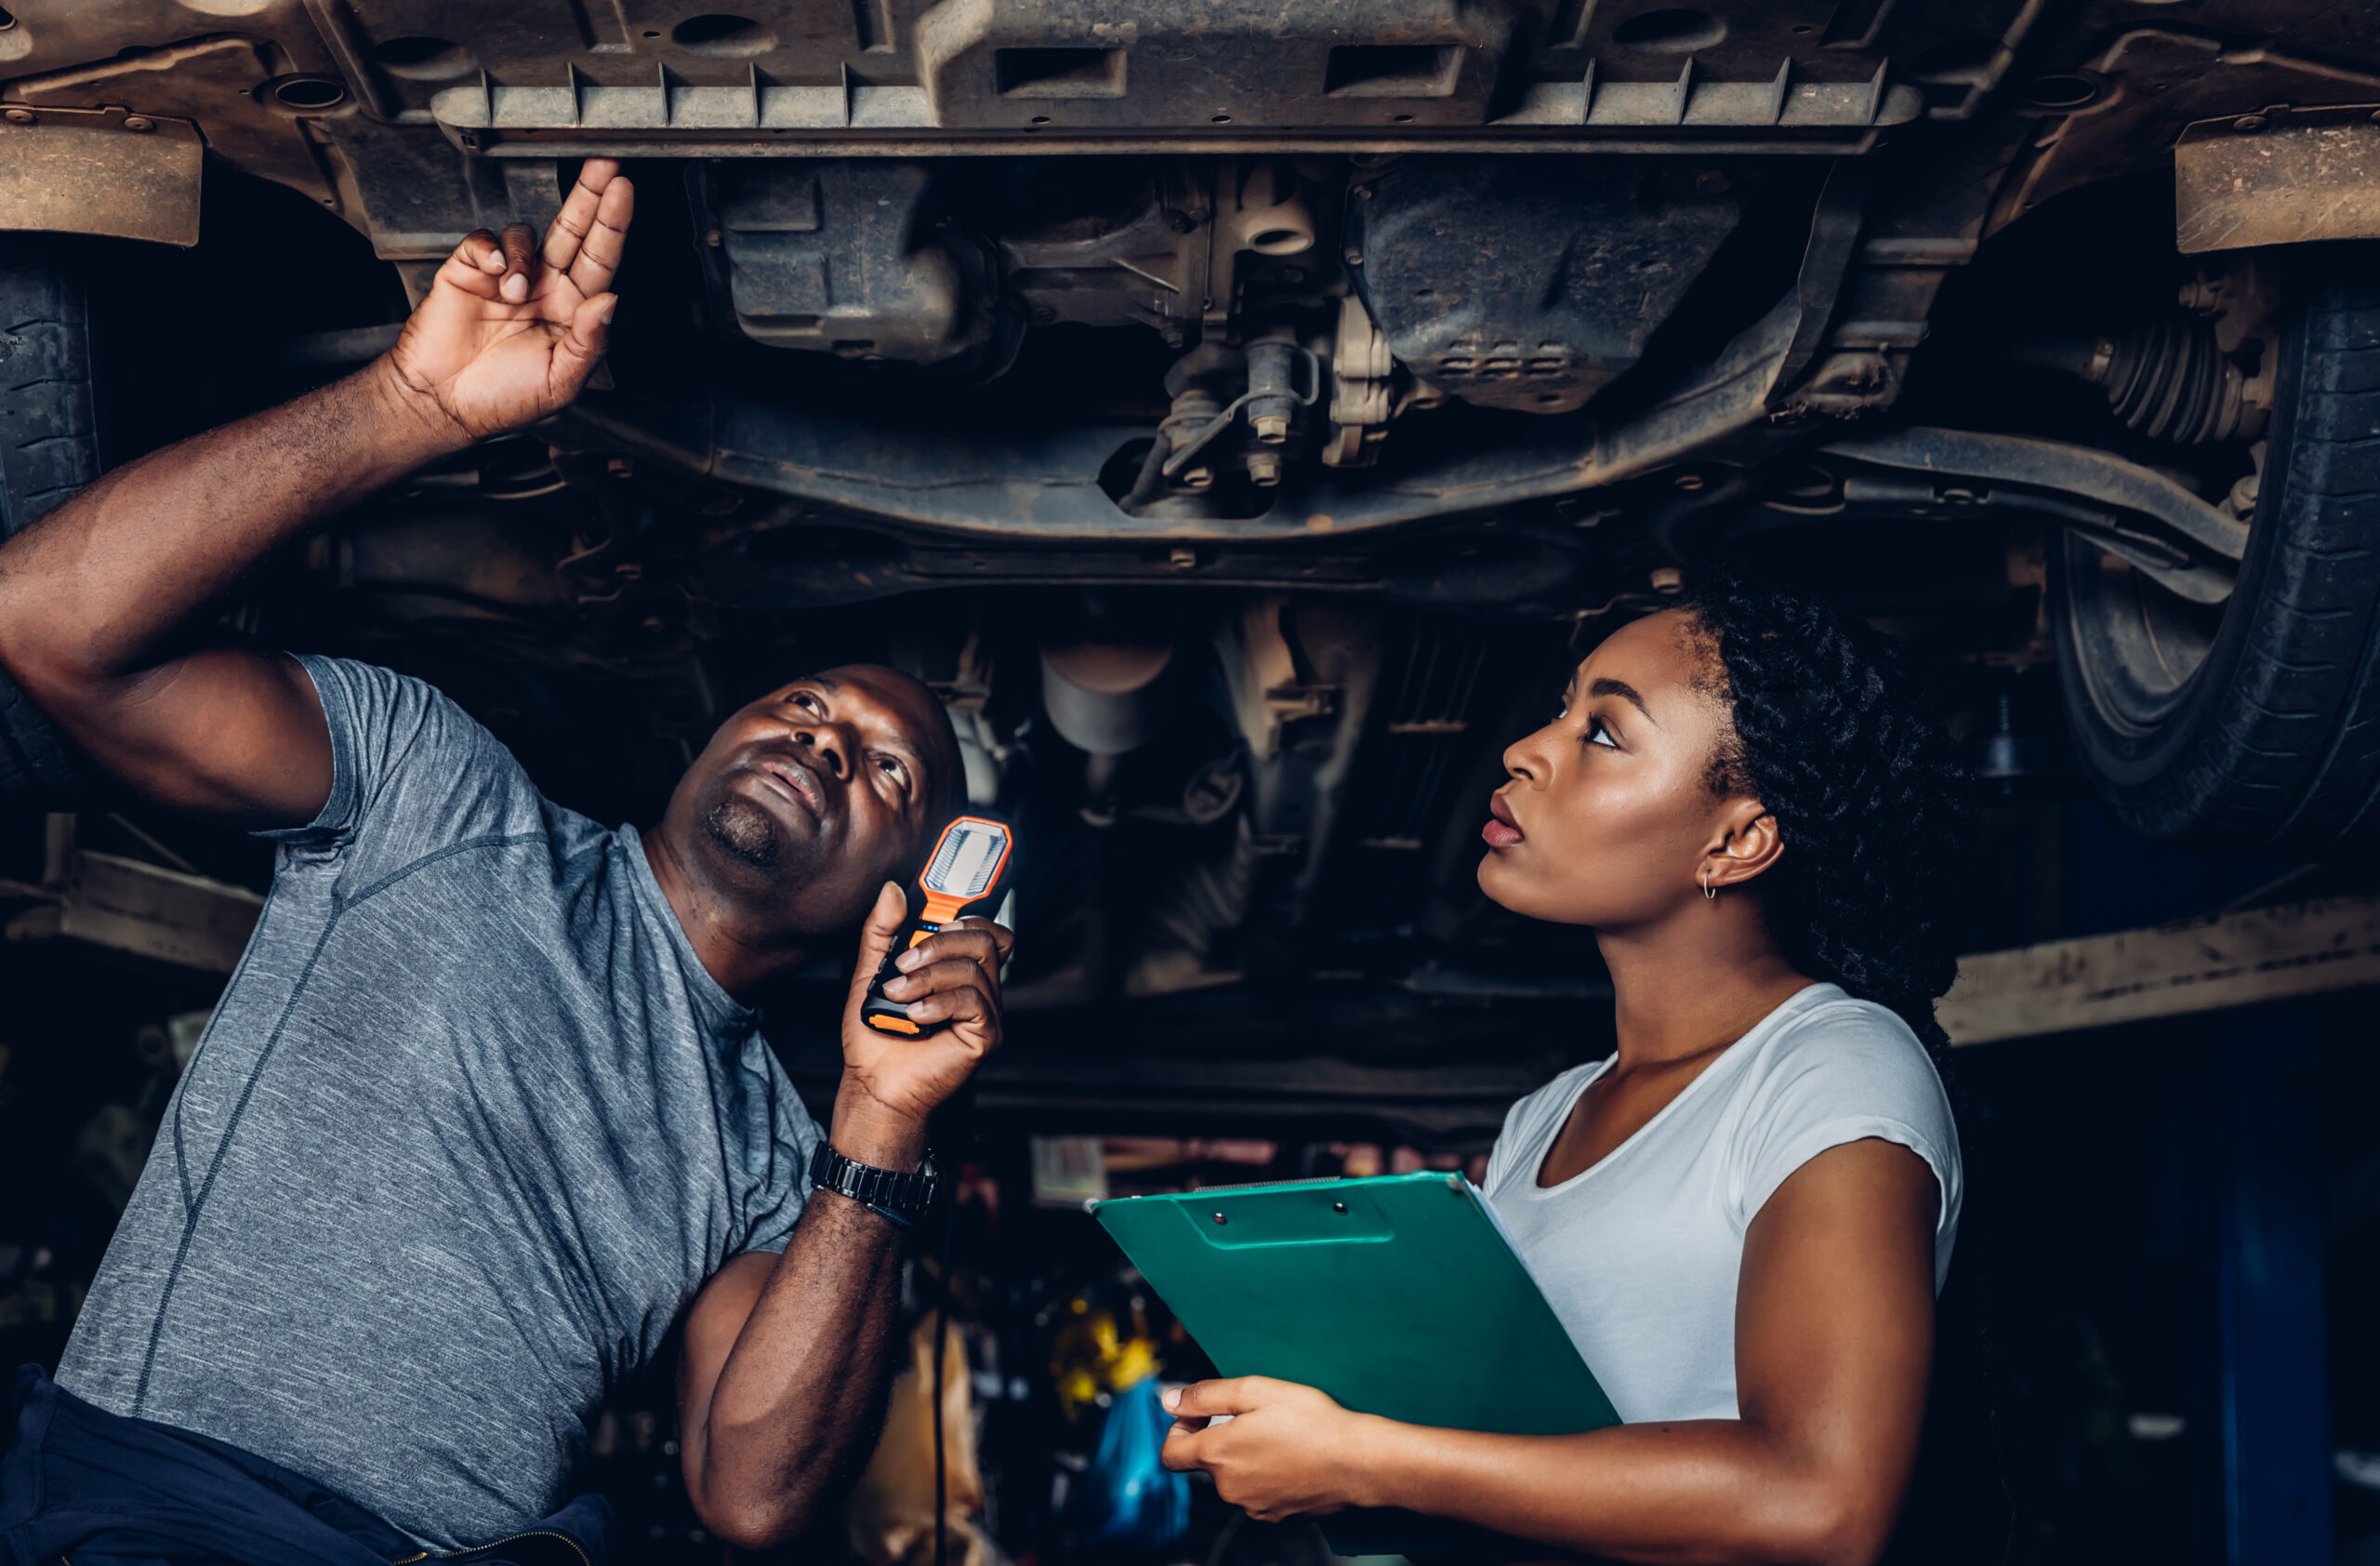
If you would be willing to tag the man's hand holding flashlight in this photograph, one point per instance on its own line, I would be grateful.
(950, 984)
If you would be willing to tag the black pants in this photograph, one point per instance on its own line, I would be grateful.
(106, 1490)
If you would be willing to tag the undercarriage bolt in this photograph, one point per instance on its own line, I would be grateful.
(139, 123)
(1198, 478)
(1264, 468)
(20, 116)
(1271, 390)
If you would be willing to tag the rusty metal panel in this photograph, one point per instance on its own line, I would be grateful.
(2278, 178)
(99, 171)
(217, 84)
(2136, 97)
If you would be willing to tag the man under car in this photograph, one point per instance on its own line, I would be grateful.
(485, 1112)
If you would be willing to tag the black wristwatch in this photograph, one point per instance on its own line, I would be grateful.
(904, 1198)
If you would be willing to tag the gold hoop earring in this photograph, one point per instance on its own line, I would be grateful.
(1710, 892)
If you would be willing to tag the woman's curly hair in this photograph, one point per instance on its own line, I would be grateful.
(1829, 736)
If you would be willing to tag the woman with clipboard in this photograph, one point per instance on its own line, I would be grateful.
(1742, 1217)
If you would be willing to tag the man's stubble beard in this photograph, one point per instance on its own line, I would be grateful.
(744, 831)
(785, 892)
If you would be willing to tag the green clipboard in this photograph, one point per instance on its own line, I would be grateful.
(1398, 1295)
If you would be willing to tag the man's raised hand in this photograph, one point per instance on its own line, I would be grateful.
(508, 332)
(950, 983)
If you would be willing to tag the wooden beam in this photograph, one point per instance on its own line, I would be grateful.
(113, 902)
(2199, 966)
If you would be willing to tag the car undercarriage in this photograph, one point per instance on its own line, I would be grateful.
(1243, 417)
(1240, 415)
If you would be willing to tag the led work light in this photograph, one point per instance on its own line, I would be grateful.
(962, 872)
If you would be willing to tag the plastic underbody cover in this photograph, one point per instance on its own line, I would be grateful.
(1529, 286)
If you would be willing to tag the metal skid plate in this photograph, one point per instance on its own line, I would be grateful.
(1530, 284)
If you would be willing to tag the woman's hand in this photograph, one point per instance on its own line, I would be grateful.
(1287, 1451)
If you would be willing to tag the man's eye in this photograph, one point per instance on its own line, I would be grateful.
(892, 769)
(807, 702)
(1598, 735)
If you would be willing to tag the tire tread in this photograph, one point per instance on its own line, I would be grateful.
(50, 449)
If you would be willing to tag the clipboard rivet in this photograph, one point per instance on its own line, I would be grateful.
(1220, 1219)
(1338, 1207)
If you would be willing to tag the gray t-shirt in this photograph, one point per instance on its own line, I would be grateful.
(470, 1127)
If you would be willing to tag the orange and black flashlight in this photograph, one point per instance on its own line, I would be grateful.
(961, 874)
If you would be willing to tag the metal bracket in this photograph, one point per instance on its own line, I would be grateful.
(2169, 534)
(1834, 240)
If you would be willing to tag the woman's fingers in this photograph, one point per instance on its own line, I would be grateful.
(1204, 1400)
(519, 253)
(1180, 1452)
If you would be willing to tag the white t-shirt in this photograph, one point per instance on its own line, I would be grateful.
(1639, 1255)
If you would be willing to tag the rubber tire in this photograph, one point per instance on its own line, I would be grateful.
(2272, 746)
(49, 448)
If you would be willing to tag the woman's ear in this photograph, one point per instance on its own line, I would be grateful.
(1748, 844)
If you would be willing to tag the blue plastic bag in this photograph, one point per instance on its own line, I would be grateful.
(1129, 1495)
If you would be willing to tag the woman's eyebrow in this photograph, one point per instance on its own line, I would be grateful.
(1623, 689)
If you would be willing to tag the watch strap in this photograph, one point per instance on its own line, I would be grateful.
(903, 1198)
